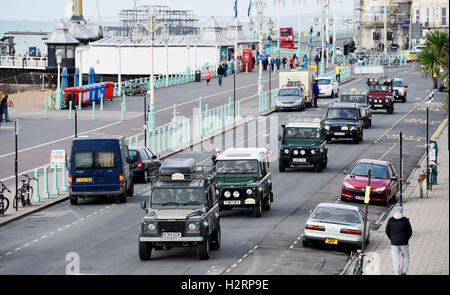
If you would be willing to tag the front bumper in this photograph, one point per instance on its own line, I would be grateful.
(172, 239)
(341, 134)
(282, 105)
(356, 194)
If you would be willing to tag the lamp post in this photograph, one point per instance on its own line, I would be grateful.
(165, 36)
(299, 44)
(385, 28)
(151, 26)
(278, 4)
(188, 47)
(323, 5)
(259, 19)
(334, 33)
(59, 56)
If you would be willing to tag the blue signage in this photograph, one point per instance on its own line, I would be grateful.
(326, 45)
(260, 57)
(310, 46)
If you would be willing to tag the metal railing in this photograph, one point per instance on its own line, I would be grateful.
(23, 62)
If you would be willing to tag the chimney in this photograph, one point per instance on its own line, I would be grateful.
(77, 8)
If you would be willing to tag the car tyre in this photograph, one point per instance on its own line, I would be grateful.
(403, 99)
(257, 210)
(145, 250)
(306, 243)
(73, 200)
(318, 167)
(130, 191)
(343, 199)
(145, 177)
(325, 163)
(267, 204)
(281, 166)
(356, 139)
(332, 94)
(203, 249)
(216, 238)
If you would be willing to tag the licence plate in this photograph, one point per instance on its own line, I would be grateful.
(378, 105)
(331, 241)
(170, 235)
(344, 128)
(339, 133)
(299, 160)
(84, 179)
(231, 202)
(359, 198)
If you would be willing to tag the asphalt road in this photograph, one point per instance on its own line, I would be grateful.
(105, 234)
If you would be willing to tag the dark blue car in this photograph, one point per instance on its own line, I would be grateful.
(100, 166)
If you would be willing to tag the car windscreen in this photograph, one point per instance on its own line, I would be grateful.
(336, 214)
(324, 82)
(342, 114)
(237, 166)
(362, 99)
(380, 88)
(301, 132)
(134, 155)
(378, 171)
(289, 92)
(398, 83)
(177, 196)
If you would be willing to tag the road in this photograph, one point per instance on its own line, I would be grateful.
(105, 234)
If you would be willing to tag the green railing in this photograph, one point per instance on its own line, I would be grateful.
(346, 73)
(267, 100)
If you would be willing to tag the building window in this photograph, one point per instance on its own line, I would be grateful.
(444, 16)
(63, 48)
(70, 51)
(428, 15)
(417, 16)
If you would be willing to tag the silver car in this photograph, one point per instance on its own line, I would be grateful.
(400, 91)
(290, 98)
(335, 224)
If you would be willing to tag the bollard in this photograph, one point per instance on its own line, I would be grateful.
(188, 130)
(200, 122)
(174, 140)
(93, 110)
(64, 179)
(46, 110)
(147, 143)
(46, 192)
(169, 137)
(164, 147)
(153, 142)
(79, 101)
(136, 140)
(124, 101)
(70, 110)
(130, 142)
(37, 198)
(206, 120)
(101, 102)
(121, 112)
(183, 134)
(180, 133)
(159, 141)
(55, 180)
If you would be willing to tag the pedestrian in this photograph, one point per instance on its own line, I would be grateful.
(278, 62)
(265, 62)
(207, 75)
(317, 60)
(272, 63)
(4, 108)
(253, 61)
(225, 68)
(284, 62)
(233, 63)
(305, 62)
(316, 91)
(295, 60)
(338, 69)
(399, 231)
(291, 62)
(220, 71)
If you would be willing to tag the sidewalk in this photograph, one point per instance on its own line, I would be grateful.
(429, 244)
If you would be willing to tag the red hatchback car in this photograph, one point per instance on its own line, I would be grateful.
(383, 184)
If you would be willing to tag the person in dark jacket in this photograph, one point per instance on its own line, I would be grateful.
(265, 62)
(220, 72)
(284, 62)
(278, 62)
(316, 92)
(225, 68)
(4, 109)
(399, 231)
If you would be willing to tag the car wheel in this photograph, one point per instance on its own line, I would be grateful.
(73, 200)
(306, 243)
(361, 137)
(145, 177)
(145, 250)
(203, 249)
(267, 204)
(325, 163)
(281, 166)
(370, 123)
(332, 94)
(130, 191)
(216, 238)
(337, 93)
(344, 199)
(356, 139)
(403, 99)
(257, 210)
(318, 167)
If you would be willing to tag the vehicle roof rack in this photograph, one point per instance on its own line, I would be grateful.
(182, 170)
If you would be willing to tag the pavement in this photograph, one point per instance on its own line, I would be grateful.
(429, 218)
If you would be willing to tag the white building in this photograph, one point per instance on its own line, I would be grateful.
(432, 14)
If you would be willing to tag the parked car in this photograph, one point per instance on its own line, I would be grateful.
(143, 163)
(290, 98)
(328, 86)
(361, 97)
(383, 184)
(336, 225)
(100, 166)
(344, 121)
(400, 91)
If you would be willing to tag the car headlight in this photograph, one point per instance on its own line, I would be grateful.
(227, 194)
(302, 152)
(249, 191)
(236, 194)
(295, 152)
(353, 128)
(380, 189)
(348, 185)
(286, 151)
(386, 100)
(217, 192)
(151, 227)
(327, 127)
(313, 152)
(192, 226)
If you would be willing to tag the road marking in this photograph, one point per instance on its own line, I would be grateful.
(44, 236)
(439, 130)
(26, 245)
(387, 152)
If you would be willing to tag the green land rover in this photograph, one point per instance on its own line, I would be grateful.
(183, 210)
(303, 143)
(243, 179)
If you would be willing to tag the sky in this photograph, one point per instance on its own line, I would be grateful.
(34, 10)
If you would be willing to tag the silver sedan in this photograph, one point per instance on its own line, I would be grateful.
(336, 224)
(290, 98)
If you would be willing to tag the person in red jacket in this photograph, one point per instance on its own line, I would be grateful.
(398, 230)
(207, 76)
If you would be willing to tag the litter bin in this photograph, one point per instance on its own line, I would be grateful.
(433, 152)
(434, 173)
(109, 91)
(67, 94)
(85, 94)
(198, 76)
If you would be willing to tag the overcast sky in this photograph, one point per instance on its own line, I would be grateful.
(54, 9)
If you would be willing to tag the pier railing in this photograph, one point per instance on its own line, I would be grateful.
(23, 62)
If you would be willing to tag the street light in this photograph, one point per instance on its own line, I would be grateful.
(165, 38)
(59, 56)
(188, 70)
(151, 25)
(278, 4)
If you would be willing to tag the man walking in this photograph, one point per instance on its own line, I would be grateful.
(278, 63)
(220, 72)
(4, 109)
(338, 69)
(398, 230)
(284, 62)
(316, 92)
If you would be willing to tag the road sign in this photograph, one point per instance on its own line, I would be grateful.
(326, 45)
(58, 157)
(310, 46)
(260, 57)
(267, 50)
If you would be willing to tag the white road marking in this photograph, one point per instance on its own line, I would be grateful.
(27, 244)
(44, 236)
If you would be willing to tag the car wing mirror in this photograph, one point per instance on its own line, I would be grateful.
(279, 137)
(144, 205)
(393, 178)
(345, 172)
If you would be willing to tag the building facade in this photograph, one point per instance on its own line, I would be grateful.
(431, 14)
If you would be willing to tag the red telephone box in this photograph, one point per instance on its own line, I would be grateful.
(247, 59)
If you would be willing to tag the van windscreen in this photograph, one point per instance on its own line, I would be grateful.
(106, 159)
(83, 160)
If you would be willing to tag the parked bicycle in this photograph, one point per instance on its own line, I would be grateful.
(24, 193)
(4, 202)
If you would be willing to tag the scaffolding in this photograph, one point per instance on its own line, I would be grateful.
(179, 22)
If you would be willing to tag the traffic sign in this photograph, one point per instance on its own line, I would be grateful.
(310, 46)
(326, 45)
(260, 57)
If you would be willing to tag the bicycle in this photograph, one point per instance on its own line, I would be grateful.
(3, 199)
(25, 190)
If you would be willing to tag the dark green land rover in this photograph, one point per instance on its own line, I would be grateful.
(301, 144)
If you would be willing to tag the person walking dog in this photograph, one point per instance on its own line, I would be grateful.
(399, 231)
